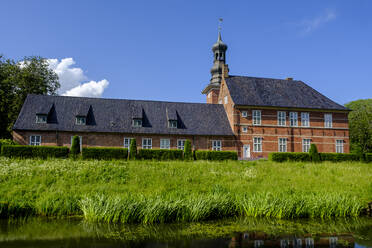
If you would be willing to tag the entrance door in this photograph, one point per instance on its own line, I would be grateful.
(246, 151)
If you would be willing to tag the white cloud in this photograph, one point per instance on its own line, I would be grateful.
(310, 25)
(72, 79)
(90, 89)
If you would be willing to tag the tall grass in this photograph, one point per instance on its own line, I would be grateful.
(177, 191)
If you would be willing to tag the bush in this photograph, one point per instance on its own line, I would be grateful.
(34, 151)
(314, 154)
(187, 152)
(133, 149)
(160, 154)
(339, 157)
(368, 157)
(75, 146)
(7, 142)
(216, 155)
(106, 153)
(289, 156)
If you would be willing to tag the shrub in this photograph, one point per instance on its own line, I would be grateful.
(106, 153)
(368, 157)
(289, 156)
(133, 149)
(160, 154)
(7, 142)
(34, 151)
(314, 154)
(75, 146)
(216, 155)
(339, 157)
(187, 152)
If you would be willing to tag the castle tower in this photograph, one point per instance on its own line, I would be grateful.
(218, 71)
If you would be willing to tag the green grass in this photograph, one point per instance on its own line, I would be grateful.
(177, 191)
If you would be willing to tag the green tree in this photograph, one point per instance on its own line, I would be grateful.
(75, 147)
(133, 149)
(31, 75)
(187, 152)
(360, 125)
(314, 154)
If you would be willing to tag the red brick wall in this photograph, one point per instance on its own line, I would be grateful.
(212, 96)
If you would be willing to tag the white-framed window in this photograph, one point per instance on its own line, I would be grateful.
(137, 122)
(164, 143)
(127, 142)
(339, 146)
(80, 141)
(216, 145)
(181, 144)
(306, 145)
(244, 129)
(41, 118)
(225, 99)
(80, 120)
(219, 101)
(293, 117)
(256, 117)
(146, 143)
(282, 145)
(244, 114)
(305, 119)
(257, 144)
(328, 120)
(281, 118)
(172, 124)
(35, 140)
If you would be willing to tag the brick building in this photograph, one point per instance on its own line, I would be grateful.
(253, 116)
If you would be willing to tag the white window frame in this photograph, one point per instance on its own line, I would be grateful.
(41, 118)
(328, 120)
(225, 99)
(281, 118)
(80, 141)
(244, 114)
(172, 123)
(306, 143)
(244, 129)
(181, 144)
(219, 101)
(80, 120)
(146, 143)
(34, 141)
(257, 144)
(293, 119)
(137, 123)
(165, 144)
(216, 145)
(256, 117)
(127, 144)
(305, 119)
(339, 146)
(282, 145)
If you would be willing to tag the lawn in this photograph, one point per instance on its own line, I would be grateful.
(176, 191)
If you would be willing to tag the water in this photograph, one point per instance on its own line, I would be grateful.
(37, 232)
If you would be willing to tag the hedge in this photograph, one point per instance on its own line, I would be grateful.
(160, 154)
(339, 157)
(7, 142)
(368, 157)
(34, 151)
(289, 156)
(105, 153)
(216, 155)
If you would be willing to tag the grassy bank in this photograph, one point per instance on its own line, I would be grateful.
(148, 192)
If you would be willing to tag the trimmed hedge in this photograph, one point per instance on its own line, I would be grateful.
(339, 157)
(368, 157)
(289, 156)
(6, 142)
(34, 151)
(160, 154)
(216, 155)
(105, 153)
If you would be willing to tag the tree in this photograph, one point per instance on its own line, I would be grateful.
(360, 125)
(133, 149)
(314, 154)
(31, 75)
(75, 147)
(187, 153)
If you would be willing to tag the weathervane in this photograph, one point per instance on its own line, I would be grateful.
(220, 24)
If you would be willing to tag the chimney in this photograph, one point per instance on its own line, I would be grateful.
(289, 79)
(225, 71)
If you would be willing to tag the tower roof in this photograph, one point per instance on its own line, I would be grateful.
(219, 45)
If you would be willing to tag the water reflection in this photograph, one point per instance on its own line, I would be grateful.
(241, 233)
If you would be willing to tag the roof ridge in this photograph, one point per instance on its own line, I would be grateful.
(293, 80)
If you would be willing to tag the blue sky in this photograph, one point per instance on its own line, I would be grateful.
(161, 50)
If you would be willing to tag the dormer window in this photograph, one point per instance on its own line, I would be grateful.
(40, 118)
(172, 124)
(137, 122)
(81, 120)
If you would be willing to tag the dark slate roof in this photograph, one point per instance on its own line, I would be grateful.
(114, 115)
(253, 91)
